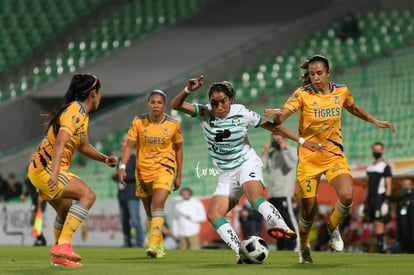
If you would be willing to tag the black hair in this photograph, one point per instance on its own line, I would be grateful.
(156, 92)
(186, 189)
(224, 87)
(378, 143)
(305, 65)
(80, 87)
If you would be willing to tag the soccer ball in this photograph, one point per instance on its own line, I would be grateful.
(254, 250)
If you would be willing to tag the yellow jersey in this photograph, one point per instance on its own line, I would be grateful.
(73, 120)
(320, 121)
(155, 153)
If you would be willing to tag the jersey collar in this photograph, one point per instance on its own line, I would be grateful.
(161, 122)
(82, 107)
(317, 92)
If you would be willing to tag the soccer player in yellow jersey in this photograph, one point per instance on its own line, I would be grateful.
(159, 158)
(320, 104)
(67, 131)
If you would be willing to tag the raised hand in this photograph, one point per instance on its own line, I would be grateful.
(195, 83)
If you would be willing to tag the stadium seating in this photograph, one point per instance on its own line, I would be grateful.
(378, 85)
(379, 33)
(28, 25)
(134, 21)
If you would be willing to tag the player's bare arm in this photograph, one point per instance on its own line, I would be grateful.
(278, 115)
(281, 130)
(88, 150)
(178, 103)
(126, 154)
(62, 138)
(362, 114)
(178, 148)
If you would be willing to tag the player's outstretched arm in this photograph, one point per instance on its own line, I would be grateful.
(88, 150)
(362, 114)
(281, 130)
(178, 103)
(278, 115)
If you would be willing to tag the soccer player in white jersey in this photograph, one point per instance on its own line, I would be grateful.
(224, 127)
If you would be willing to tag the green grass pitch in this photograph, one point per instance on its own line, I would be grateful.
(120, 261)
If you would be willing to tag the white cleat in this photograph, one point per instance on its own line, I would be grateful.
(337, 243)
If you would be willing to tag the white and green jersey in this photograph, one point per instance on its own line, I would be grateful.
(226, 138)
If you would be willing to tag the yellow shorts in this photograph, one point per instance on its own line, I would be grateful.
(146, 188)
(309, 176)
(39, 177)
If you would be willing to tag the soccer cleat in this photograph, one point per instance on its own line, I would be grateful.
(151, 251)
(337, 243)
(305, 256)
(63, 261)
(65, 251)
(281, 233)
(239, 257)
(239, 260)
(161, 251)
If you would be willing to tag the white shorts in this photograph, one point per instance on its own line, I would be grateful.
(230, 181)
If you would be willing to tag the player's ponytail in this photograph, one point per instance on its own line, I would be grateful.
(305, 66)
(80, 87)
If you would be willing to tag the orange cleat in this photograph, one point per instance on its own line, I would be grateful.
(281, 233)
(63, 261)
(65, 251)
(151, 251)
(239, 260)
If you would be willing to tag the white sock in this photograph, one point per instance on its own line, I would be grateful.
(229, 236)
(271, 214)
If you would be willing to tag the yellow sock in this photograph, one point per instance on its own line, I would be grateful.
(148, 222)
(57, 229)
(339, 214)
(304, 231)
(156, 226)
(76, 215)
(161, 239)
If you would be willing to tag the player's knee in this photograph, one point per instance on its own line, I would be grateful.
(90, 198)
(308, 214)
(347, 200)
